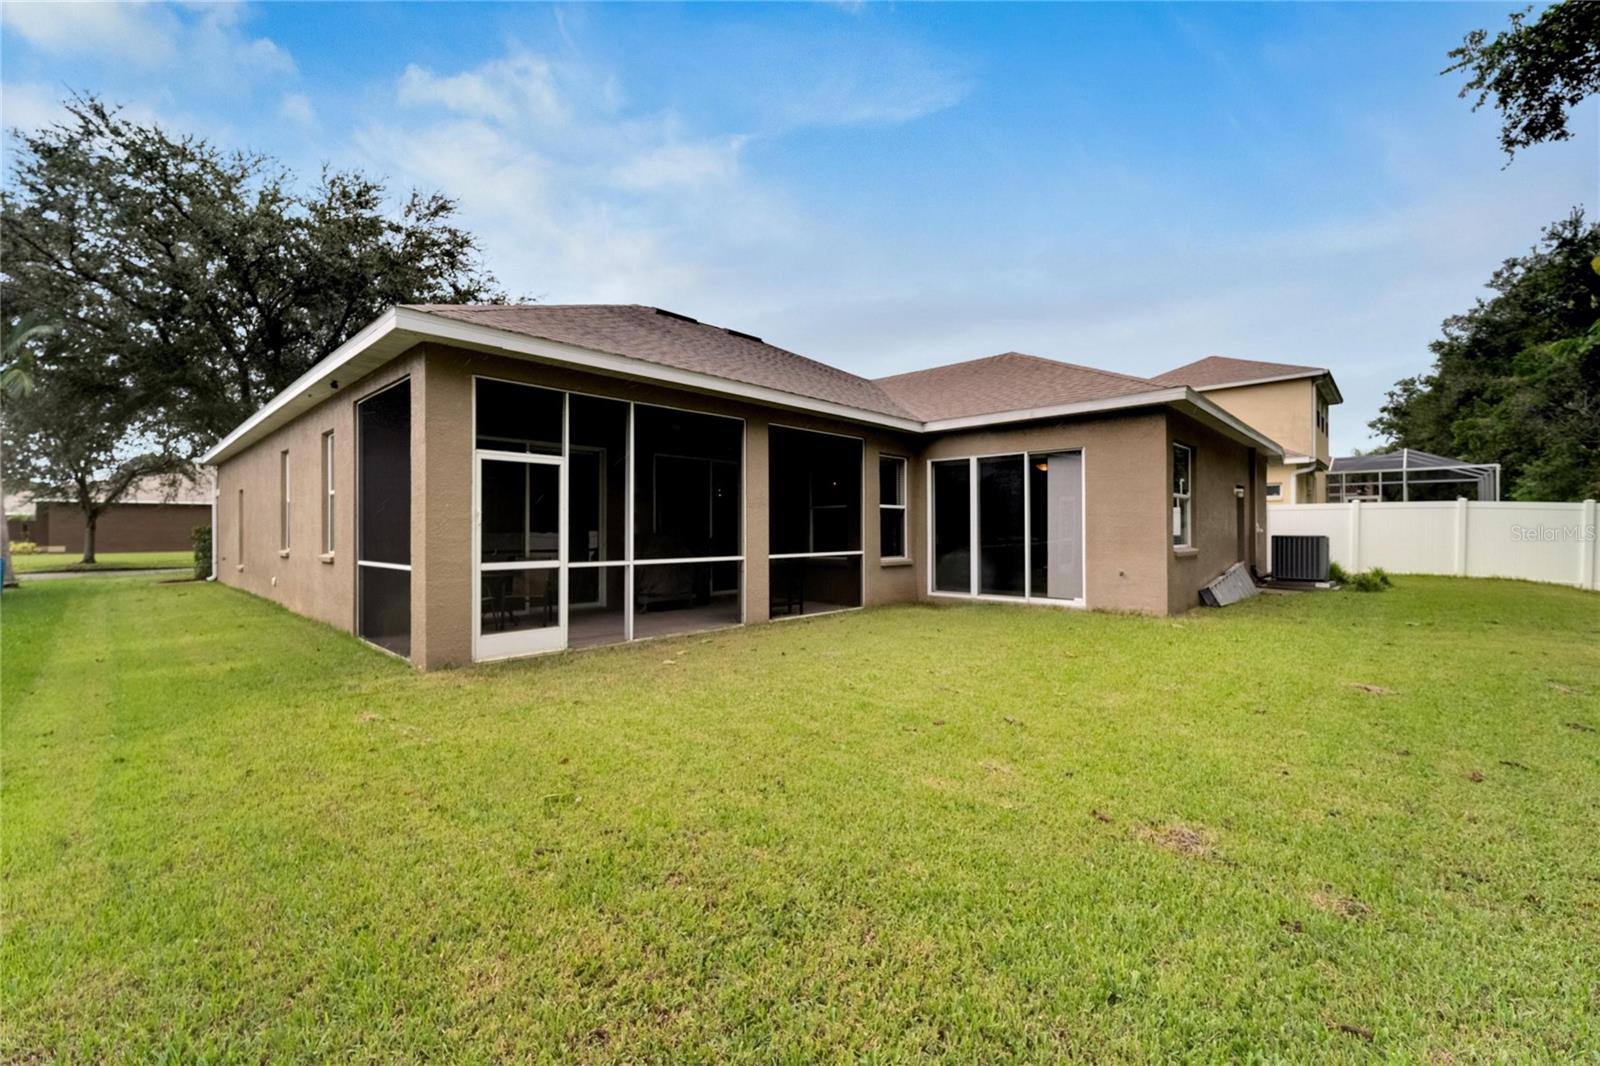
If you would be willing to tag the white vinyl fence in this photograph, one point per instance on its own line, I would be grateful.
(1554, 542)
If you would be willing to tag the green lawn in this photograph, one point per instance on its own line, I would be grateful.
(56, 562)
(982, 833)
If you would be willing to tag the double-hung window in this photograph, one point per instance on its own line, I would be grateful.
(1182, 503)
(892, 507)
(327, 493)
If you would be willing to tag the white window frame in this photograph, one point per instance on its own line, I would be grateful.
(328, 510)
(905, 532)
(1183, 498)
(974, 563)
(1274, 490)
(284, 511)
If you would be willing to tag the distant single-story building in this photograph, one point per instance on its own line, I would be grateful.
(155, 514)
(459, 483)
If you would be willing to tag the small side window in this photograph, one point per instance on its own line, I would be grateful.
(1182, 501)
(892, 507)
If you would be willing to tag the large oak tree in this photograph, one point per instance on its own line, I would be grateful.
(189, 284)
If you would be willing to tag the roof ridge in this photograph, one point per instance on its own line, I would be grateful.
(1025, 355)
(1239, 359)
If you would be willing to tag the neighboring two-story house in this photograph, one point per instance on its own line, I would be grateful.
(1288, 403)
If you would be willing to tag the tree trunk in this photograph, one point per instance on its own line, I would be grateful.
(5, 549)
(88, 537)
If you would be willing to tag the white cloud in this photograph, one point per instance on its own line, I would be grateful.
(204, 42)
(505, 90)
(297, 108)
(574, 196)
(682, 165)
(143, 34)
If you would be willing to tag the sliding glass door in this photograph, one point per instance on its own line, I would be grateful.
(1008, 526)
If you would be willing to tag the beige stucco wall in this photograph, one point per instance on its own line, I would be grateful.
(1220, 465)
(1283, 410)
(1130, 562)
(303, 580)
(1124, 498)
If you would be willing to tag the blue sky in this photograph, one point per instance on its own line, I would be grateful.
(887, 187)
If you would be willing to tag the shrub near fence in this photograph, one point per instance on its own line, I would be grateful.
(1554, 542)
(202, 552)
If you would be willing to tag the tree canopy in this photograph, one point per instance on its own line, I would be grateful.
(205, 281)
(1516, 379)
(1536, 71)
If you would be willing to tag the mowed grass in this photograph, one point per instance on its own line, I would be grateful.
(59, 562)
(979, 833)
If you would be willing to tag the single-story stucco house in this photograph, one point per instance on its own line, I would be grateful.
(155, 514)
(461, 483)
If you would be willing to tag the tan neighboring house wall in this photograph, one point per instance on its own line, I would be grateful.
(1131, 564)
(1286, 411)
(121, 527)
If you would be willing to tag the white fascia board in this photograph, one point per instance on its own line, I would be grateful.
(1064, 410)
(1296, 376)
(1156, 398)
(374, 331)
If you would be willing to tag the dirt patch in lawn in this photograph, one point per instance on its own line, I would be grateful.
(1343, 906)
(1186, 840)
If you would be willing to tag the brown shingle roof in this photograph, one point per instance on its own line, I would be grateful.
(1008, 382)
(680, 342)
(1216, 370)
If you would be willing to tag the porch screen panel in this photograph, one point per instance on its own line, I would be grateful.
(688, 475)
(518, 418)
(814, 488)
(814, 492)
(952, 526)
(597, 521)
(688, 501)
(383, 525)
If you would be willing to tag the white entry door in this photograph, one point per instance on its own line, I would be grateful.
(519, 544)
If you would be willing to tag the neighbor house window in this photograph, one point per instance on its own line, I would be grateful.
(1274, 491)
(327, 493)
(891, 507)
(283, 501)
(1182, 503)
